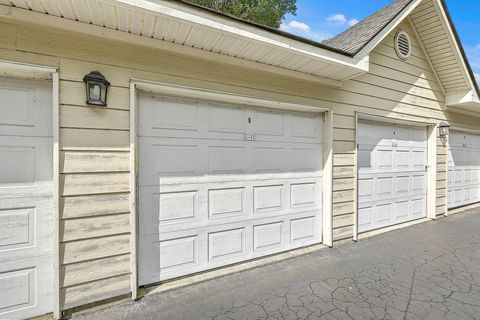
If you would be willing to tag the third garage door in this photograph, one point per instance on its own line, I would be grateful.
(221, 184)
(463, 169)
(392, 174)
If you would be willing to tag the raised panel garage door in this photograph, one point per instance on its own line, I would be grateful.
(26, 203)
(392, 181)
(223, 184)
(463, 169)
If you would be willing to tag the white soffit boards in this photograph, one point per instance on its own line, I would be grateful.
(26, 201)
(184, 28)
(392, 178)
(221, 184)
(463, 169)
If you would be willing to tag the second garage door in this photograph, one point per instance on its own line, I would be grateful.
(222, 184)
(392, 179)
(463, 169)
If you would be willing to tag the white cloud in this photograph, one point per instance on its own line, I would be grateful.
(353, 22)
(473, 53)
(299, 25)
(337, 18)
(284, 27)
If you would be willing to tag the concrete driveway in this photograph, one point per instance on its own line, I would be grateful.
(427, 271)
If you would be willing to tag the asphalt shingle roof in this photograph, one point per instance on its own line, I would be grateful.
(354, 39)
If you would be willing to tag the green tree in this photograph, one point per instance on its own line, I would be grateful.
(265, 12)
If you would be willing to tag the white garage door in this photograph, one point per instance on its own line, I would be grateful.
(392, 174)
(463, 169)
(26, 209)
(223, 184)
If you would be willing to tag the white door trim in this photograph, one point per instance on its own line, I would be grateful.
(38, 72)
(432, 171)
(137, 85)
(432, 129)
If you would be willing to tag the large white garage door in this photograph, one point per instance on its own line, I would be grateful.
(223, 184)
(26, 209)
(463, 169)
(392, 174)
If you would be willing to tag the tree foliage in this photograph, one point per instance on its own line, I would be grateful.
(265, 12)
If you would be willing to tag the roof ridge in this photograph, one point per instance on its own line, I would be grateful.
(355, 38)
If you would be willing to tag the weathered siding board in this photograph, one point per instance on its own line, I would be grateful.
(94, 183)
(85, 228)
(88, 139)
(94, 118)
(90, 162)
(96, 290)
(84, 250)
(78, 273)
(94, 205)
(343, 208)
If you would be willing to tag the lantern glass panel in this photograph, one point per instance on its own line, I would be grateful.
(95, 91)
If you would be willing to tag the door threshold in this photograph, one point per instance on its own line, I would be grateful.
(229, 270)
(372, 233)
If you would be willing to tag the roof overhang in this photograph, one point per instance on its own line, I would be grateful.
(198, 30)
(464, 102)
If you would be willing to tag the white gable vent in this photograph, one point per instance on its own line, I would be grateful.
(403, 46)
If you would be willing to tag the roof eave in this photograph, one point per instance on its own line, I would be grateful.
(464, 102)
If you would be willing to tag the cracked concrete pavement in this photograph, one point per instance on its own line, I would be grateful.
(427, 271)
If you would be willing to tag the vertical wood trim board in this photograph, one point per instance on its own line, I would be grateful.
(56, 196)
(432, 172)
(133, 191)
(327, 232)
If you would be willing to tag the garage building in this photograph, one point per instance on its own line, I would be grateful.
(217, 142)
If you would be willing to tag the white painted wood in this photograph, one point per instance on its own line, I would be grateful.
(220, 184)
(463, 169)
(26, 204)
(133, 190)
(432, 183)
(393, 166)
(327, 232)
(56, 194)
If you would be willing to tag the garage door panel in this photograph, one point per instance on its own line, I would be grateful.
(226, 120)
(198, 157)
(25, 163)
(180, 252)
(464, 169)
(21, 282)
(233, 184)
(378, 186)
(27, 227)
(26, 108)
(200, 205)
(392, 175)
(378, 214)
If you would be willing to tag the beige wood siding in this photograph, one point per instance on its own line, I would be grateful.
(94, 160)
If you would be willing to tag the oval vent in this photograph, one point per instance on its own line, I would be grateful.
(403, 45)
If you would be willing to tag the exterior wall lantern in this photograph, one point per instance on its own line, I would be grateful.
(96, 86)
(444, 129)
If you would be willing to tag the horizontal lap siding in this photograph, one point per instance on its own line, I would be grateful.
(95, 185)
(94, 158)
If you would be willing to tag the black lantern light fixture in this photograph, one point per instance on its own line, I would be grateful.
(96, 86)
(443, 129)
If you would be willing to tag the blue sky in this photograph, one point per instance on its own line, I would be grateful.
(321, 19)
